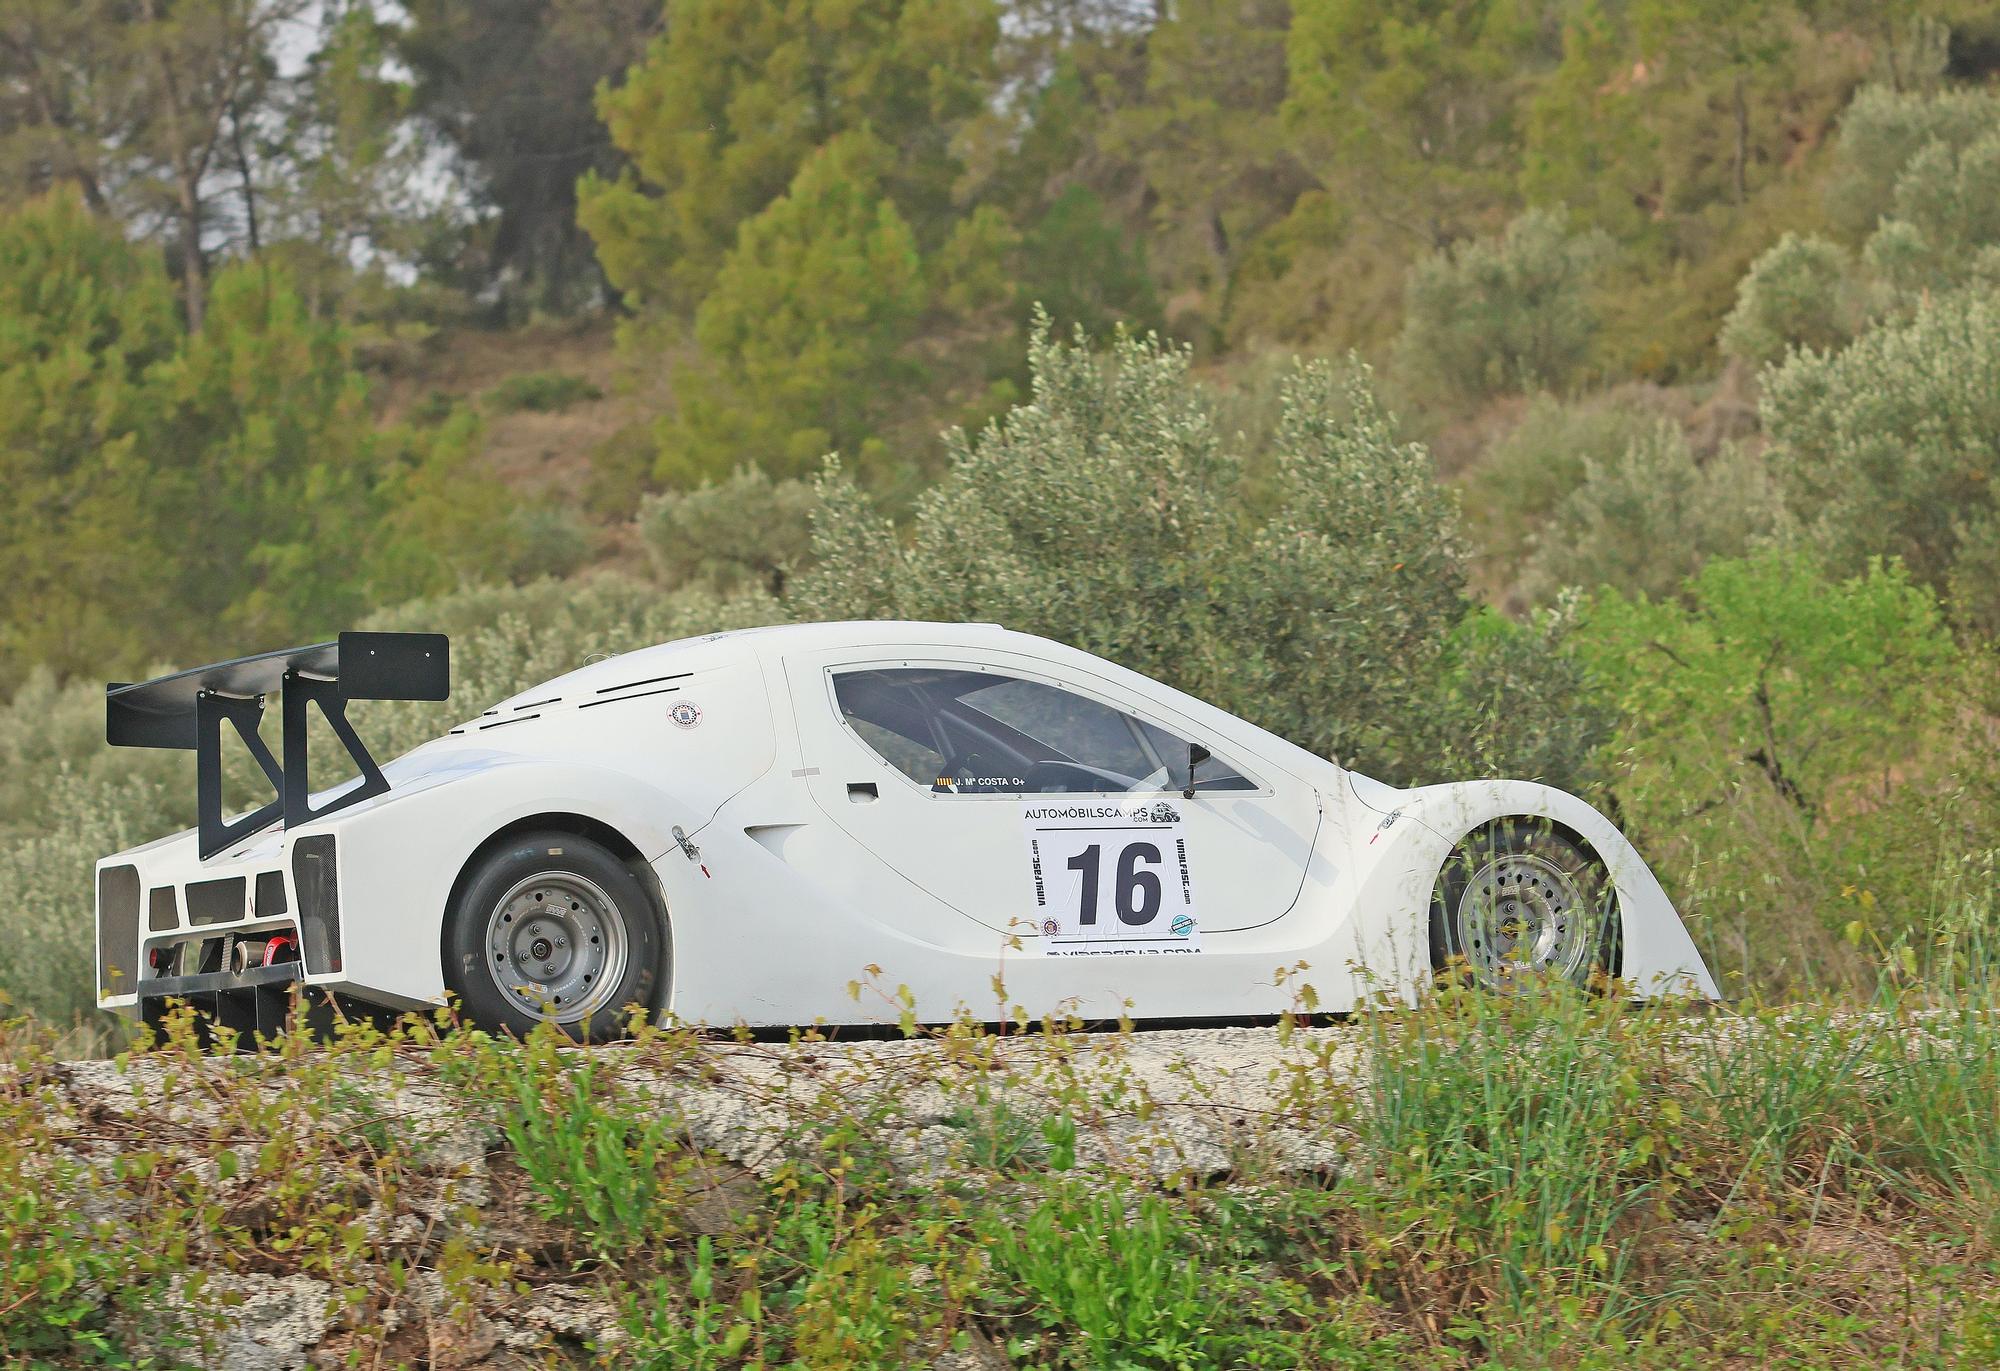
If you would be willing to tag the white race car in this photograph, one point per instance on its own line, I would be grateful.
(732, 829)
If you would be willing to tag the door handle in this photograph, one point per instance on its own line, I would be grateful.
(863, 792)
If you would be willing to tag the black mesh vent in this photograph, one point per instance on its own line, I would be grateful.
(318, 888)
(117, 930)
(161, 915)
(216, 902)
(270, 893)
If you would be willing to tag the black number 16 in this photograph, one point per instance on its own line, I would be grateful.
(1138, 891)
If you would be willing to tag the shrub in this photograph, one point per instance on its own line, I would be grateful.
(1883, 131)
(1891, 447)
(1945, 230)
(1512, 313)
(542, 392)
(1109, 513)
(1785, 758)
(748, 529)
(1519, 482)
(1798, 294)
(1646, 519)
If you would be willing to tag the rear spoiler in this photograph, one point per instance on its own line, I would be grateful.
(187, 709)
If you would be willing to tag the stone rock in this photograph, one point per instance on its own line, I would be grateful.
(280, 1320)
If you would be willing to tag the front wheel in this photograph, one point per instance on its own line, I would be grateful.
(1519, 901)
(552, 928)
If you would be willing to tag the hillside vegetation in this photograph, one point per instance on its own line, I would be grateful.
(1604, 393)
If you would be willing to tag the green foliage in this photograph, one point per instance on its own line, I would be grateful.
(1524, 476)
(542, 392)
(730, 104)
(791, 369)
(1084, 271)
(748, 529)
(1155, 1286)
(1111, 515)
(1516, 312)
(120, 440)
(1412, 101)
(1513, 1146)
(1884, 131)
(1645, 520)
(1944, 232)
(1781, 750)
(511, 87)
(604, 1171)
(1799, 294)
(1891, 447)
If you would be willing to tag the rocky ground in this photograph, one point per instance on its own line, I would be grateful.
(459, 1268)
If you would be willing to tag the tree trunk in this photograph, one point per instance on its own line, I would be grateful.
(1742, 142)
(243, 173)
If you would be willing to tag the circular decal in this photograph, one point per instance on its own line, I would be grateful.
(1182, 925)
(1050, 928)
(685, 713)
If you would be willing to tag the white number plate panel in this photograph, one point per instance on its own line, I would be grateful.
(1113, 876)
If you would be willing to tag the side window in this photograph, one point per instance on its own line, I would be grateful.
(982, 733)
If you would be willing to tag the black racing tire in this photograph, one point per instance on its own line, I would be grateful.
(1519, 900)
(553, 928)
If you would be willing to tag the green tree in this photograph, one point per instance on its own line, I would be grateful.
(84, 315)
(803, 333)
(1205, 140)
(1883, 131)
(510, 86)
(1513, 312)
(179, 495)
(1892, 447)
(1111, 513)
(731, 101)
(1801, 293)
(1410, 106)
(1766, 719)
(1718, 51)
(1650, 516)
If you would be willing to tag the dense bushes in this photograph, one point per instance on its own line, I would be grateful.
(1794, 756)
(1110, 513)
(1891, 447)
(1512, 313)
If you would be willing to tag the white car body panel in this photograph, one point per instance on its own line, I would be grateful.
(788, 887)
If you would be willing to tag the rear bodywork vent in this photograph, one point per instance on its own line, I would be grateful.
(318, 886)
(270, 894)
(216, 902)
(162, 916)
(117, 930)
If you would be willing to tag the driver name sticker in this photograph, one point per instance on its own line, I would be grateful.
(1111, 877)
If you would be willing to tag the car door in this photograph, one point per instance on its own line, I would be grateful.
(1041, 801)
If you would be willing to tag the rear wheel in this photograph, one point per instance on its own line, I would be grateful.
(553, 928)
(1517, 902)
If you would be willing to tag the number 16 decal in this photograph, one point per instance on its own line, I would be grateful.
(1138, 892)
(1111, 879)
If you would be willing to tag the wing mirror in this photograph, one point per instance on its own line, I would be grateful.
(1197, 754)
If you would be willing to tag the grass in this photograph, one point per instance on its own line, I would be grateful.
(1555, 1181)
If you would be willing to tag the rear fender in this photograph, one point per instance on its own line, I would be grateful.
(398, 862)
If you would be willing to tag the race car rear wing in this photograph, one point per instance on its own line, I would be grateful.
(187, 710)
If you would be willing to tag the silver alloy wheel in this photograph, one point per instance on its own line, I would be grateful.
(556, 946)
(1521, 913)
